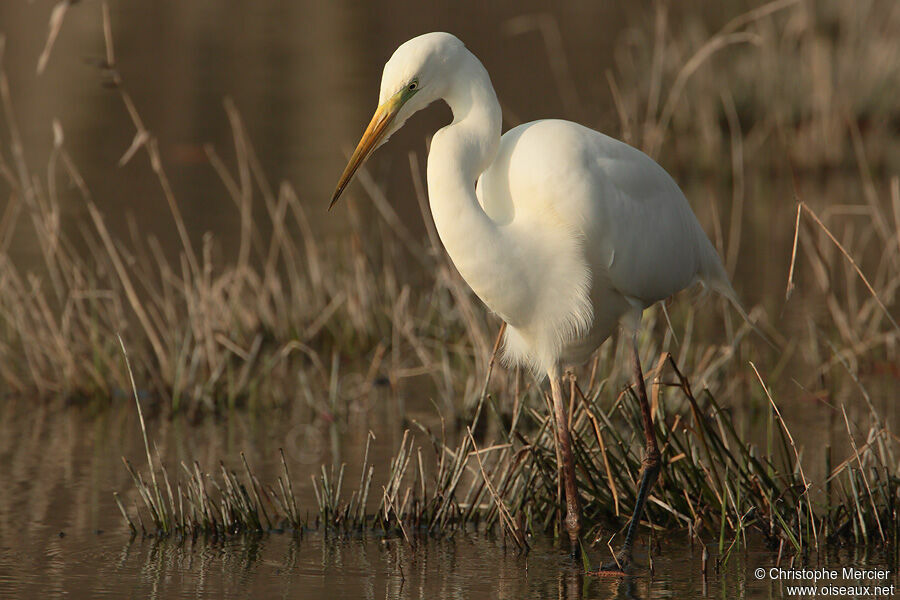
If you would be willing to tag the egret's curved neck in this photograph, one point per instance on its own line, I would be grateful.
(460, 152)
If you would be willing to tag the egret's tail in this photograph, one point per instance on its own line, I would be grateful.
(713, 276)
(722, 286)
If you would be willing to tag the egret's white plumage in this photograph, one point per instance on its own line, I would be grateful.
(562, 231)
(568, 231)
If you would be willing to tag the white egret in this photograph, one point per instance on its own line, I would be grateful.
(562, 231)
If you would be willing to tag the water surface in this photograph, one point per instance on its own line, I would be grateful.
(62, 535)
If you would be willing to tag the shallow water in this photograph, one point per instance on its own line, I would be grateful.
(62, 535)
(315, 567)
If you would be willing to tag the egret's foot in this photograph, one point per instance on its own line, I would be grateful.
(575, 552)
(573, 525)
(620, 566)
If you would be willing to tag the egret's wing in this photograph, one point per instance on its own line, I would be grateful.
(652, 242)
(639, 232)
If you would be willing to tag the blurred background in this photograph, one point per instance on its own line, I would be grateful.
(305, 76)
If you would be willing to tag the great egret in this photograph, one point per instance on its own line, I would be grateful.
(566, 234)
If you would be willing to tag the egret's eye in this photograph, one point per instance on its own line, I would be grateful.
(413, 86)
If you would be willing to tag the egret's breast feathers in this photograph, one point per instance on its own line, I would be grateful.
(525, 194)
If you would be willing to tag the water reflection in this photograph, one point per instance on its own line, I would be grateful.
(464, 567)
(322, 567)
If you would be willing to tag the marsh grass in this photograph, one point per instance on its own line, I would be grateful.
(714, 486)
(205, 335)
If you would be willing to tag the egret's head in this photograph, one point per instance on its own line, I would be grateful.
(414, 77)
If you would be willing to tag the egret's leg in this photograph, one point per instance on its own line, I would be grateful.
(649, 466)
(564, 439)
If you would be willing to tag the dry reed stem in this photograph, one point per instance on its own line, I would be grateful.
(57, 15)
(787, 431)
(803, 206)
